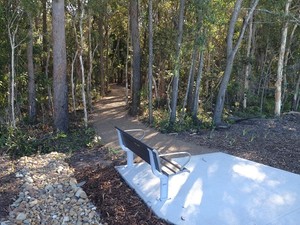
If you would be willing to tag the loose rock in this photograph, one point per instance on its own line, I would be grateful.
(50, 194)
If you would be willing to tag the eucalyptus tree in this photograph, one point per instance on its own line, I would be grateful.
(150, 75)
(32, 10)
(60, 87)
(136, 59)
(175, 82)
(14, 13)
(278, 84)
(230, 55)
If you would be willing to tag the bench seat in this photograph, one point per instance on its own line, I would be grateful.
(162, 165)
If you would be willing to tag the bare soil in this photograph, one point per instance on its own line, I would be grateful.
(274, 142)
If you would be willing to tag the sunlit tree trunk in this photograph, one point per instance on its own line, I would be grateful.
(13, 28)
(31, 76)
(286, 59)
(80, 55)
(60, 87)
(278, 84)
(174, 94)
(231, 53)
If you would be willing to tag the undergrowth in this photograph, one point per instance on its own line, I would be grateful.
(40, 139)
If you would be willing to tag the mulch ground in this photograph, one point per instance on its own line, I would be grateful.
(274, 142)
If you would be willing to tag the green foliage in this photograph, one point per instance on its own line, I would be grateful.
(38, 139)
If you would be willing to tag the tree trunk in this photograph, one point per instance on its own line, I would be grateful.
(150, 75)
(231, 52)
(31, 76)
(278, 84)
(249, 63)
(136, 59)
(72, 82)
(126, 63)
(197, 89)
(101, 52)
(296, 95)
(83, 84)
(89, 76)
(287, 56)
(190, 82)
(60, 87)
(174, 95)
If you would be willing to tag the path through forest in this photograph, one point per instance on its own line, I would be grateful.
(111, 111)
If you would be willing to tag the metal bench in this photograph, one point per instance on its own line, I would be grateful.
(162, 165)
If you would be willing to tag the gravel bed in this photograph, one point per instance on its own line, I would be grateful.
(50, 194)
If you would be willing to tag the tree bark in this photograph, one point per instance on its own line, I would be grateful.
(101, 52)
(296, 95)
(31, 76)
(60, 87)
(72, 82)
(174, 95)
(278, 84)
(231, 52)
(150, 75)
(198, 86)
(80, 55)
(136, 59)
(249, 63)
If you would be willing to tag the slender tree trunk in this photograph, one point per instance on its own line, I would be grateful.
(89, 76)
(278, 84)
(60, 87)
(101, 52)
(136, 59)
(12, 89)
(31, 76)
(174, 95)
(150, 75)
(12, 28)
(126, 62)
(189, 88)
(296, 95)
(197, 89)
(249, 63)
(80, 55)
(231, 52)
(72, 83)
(286, 59)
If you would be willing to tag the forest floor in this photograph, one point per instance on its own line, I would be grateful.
(274, 142)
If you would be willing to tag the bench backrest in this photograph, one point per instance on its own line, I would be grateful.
(139, 148)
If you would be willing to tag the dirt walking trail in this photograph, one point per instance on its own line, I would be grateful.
(111, 111)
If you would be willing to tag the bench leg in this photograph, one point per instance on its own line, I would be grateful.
(164, 183)
(129, 158)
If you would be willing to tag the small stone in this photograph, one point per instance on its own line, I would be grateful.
(92, 214)
(59, 169)
(49, 188)
(66, 219)
(19, 175)
(21, 217)
(80, 194)
(33, 203)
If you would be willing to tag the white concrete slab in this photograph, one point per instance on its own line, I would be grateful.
(221, 190)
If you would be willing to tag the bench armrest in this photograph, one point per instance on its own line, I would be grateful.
(188, 155)
(137, 130)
